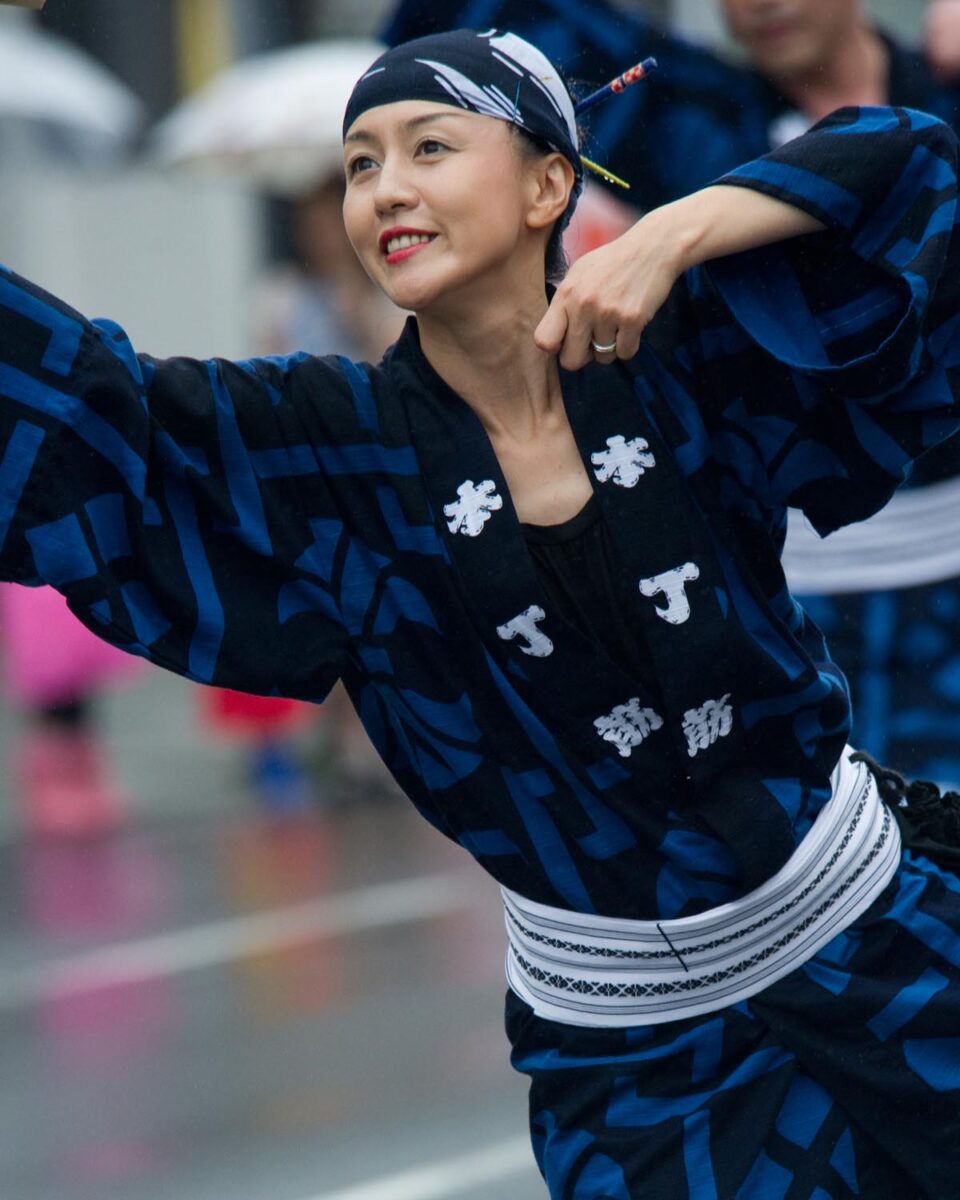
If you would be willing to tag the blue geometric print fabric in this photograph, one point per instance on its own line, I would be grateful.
(273, 524)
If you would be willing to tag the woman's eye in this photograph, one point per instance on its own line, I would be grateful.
(431, 146)
(363, 162)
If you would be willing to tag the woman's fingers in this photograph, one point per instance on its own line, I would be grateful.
(599, 312)
(549, 334)
(577, 349)
(628, 342)
(566, 332)
(577, 335)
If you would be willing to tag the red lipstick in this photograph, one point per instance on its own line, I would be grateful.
(403, 231)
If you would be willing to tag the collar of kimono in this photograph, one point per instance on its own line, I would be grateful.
(690, 741)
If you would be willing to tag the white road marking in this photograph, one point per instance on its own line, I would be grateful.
(447, 1178)
(379, 906)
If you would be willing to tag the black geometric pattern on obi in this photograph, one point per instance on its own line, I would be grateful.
(691, 982)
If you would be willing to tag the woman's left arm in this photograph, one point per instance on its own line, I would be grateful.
(840, 350)
(611, 294)
(883, 181)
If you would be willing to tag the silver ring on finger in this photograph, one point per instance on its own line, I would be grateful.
(599, 349)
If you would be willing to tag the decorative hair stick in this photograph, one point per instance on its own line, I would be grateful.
(620, 84)
(615, 86)
(604, 173)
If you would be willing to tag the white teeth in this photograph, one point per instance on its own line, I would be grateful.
(406, 240)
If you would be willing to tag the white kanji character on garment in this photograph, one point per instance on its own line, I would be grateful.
(673, 584)
(628, 726)
(477, 503)
(706, 724)
(525, 626)
(624, 462)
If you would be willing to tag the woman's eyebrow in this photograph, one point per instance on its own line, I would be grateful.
(362, 135)
(426, 118)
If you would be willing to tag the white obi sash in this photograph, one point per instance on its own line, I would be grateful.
(604, 971)
(912, 540)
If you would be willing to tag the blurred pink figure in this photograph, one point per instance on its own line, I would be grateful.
(53, 668)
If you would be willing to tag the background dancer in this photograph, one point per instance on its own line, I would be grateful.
(886, 593)
(550, 582)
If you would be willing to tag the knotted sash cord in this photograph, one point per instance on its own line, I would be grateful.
(604, 972)
(929, 818)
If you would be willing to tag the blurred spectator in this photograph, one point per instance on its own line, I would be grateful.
(886, 593)
(942, 39)
(322, 301)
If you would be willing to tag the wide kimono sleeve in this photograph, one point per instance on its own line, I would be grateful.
(842, 364)
(177, 504)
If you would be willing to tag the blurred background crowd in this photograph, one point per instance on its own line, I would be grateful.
(174, 165)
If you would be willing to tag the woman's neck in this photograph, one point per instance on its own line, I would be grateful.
(486, 354)
(489, 357)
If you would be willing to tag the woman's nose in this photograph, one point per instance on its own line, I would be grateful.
(394, 189)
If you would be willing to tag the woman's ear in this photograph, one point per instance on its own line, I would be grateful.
(551, 184)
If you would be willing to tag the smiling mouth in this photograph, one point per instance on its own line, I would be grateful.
(406, 241)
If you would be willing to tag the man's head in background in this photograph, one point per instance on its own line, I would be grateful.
(790, 38)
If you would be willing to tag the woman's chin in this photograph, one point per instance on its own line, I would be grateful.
(416, 295)
(434, 291)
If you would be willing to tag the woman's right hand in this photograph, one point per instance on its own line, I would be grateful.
(611, 294)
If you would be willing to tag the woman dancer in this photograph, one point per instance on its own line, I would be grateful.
(540, 545)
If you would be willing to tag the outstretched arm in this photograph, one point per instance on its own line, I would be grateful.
(610, 295)
(175, 503)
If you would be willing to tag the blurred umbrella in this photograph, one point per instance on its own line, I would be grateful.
(275, 118)
(55, 100)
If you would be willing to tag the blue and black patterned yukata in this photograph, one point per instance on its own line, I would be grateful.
(696, 119)
(274, 524)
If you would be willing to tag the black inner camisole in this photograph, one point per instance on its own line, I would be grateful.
(577, 565)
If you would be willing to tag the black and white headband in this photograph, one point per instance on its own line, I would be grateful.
(495, 74)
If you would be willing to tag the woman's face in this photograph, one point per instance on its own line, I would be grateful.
(436, 202)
